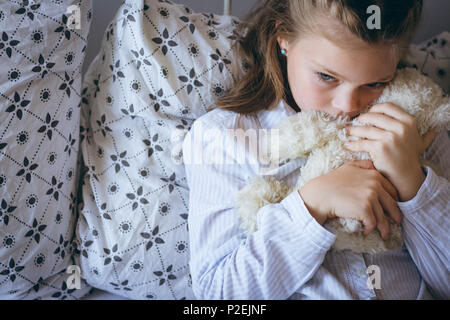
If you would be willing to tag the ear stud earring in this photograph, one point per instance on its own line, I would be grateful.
(283, 52)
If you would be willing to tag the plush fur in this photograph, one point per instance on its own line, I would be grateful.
(320, 139)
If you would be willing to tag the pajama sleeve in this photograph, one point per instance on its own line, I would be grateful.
(426, 222)
(226, 263)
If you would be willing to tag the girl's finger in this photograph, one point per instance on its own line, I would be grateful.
(366, 132)
(387, 185)
(364, 164)
(381, 121)
(390, 206)
(369, 222)
(364, 145)
(382, 223)
(392, 110)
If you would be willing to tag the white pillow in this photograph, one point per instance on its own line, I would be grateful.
(40, 89)
(160, 68)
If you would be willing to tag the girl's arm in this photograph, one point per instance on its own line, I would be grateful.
(426, 222)
(225, 263)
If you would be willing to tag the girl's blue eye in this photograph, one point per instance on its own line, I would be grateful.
(325, 77)
(377, 84)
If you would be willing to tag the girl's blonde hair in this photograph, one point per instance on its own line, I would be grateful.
(265, 83)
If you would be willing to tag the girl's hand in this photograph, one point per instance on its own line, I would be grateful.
(355, 190)
(394, 144)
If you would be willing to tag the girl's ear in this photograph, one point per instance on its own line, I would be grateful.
(282, 43)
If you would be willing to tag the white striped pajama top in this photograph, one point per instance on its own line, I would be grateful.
(289, 257)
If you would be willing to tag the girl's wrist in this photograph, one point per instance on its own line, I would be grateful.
(312, 209)
(412, 184)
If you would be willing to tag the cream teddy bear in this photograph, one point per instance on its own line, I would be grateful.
(313, 135)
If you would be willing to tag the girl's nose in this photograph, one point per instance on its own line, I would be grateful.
(347, 101)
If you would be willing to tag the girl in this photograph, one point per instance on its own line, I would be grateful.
(319, 54)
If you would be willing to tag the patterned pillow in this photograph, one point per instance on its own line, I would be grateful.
(432, 58)
(41, 53)
(160, 68)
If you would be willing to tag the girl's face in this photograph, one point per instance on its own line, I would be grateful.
(341, 82)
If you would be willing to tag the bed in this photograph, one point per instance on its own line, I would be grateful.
(90, 166)
(195, 42)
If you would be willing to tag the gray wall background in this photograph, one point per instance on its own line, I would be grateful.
(435, 18)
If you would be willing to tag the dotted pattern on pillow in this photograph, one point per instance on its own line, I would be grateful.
(432, 58)
(41, 56)
(160, 68)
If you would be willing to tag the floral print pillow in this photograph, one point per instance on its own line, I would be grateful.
(432, 58)
(42, 48)
(161, 67)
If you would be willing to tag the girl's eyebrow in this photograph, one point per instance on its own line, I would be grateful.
(342, 77)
